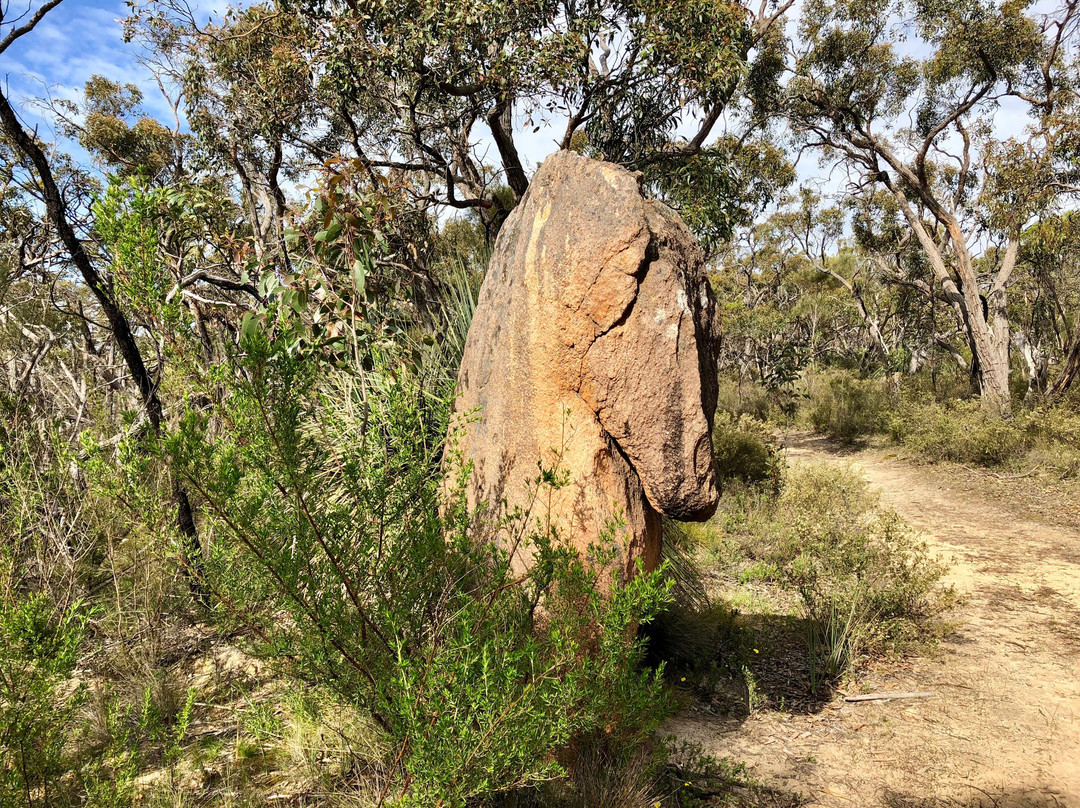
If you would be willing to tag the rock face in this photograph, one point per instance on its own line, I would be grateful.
(590, 353)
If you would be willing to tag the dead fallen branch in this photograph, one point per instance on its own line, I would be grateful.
(888, 696)
(1027, 473)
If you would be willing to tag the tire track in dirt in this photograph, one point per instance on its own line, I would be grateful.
(1004, 727)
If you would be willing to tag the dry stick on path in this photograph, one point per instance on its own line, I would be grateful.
(888, 696)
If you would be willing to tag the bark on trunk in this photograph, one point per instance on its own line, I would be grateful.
(1070, 369)
(501, 123)
(987, 328)
(56, 211)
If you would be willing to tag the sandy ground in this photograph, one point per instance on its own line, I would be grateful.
(1003, 728)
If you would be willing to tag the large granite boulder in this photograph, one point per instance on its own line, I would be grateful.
(591, 354)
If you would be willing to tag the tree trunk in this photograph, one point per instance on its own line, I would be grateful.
(500, 121)
(1070, 369)
(994, 376)
(985, 322)
(56, 211)
(1034, 364)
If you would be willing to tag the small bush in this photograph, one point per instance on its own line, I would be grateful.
(864, 577)
(847, 408)
(745, 450)
(39, 646)
(960, 432)
(866, 582)
(744, 397)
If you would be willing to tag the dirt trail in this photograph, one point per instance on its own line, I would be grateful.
(1003, 729)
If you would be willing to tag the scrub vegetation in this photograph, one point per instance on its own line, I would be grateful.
(236, 568)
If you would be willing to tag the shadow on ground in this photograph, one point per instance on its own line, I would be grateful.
(755, 662)
(780, 672)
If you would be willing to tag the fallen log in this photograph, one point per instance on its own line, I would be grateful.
(888, 696)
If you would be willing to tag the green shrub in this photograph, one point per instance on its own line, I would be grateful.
(39, 646)
(1054, 434)
(847, 408)
(324, 496)
(744, 397)
(864, 577)
(866, 582)
(960, 432)
(1050, 426)
(745, 450)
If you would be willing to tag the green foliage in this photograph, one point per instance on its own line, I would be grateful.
(325, 496)
(128, 217)
(690, 51)
(959, 431)
(147, 231)
(866, 582)
(745, 450)
(962, 432)
(723, 187)
(39, 647)
(847, 408)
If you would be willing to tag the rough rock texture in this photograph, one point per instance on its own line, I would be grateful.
(591, 351)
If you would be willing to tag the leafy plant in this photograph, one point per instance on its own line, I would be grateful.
(746, 450)
(39, 647)
(866, 582)
(325, 494)
(847, 408)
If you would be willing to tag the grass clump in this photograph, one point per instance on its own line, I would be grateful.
(865, 582)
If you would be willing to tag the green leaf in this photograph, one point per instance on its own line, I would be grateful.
(359, 275)
(249, 325)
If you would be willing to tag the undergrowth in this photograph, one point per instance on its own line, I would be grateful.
(865, 583)
(939, 423)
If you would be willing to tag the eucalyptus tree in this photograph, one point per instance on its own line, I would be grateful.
(421, 78)
(906, 95)
(816, 233)
(1046, 303)
(89, 281)
(437, 95)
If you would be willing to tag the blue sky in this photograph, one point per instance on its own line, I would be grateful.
(76, 40)
(80, 38)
